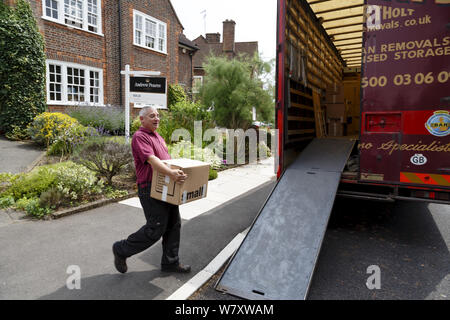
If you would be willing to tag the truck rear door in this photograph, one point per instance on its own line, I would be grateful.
(405, 127)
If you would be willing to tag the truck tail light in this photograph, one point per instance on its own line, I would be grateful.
(383, 122)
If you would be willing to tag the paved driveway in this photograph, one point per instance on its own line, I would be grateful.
(16, 156)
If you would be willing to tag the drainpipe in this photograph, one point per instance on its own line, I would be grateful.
(191, 54)
(120, 50)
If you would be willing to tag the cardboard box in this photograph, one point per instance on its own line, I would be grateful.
(336, 110)
(335, 97)
(334, 88)
(195, 187)
(336, 128)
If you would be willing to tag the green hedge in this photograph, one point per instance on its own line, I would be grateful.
(22, 67)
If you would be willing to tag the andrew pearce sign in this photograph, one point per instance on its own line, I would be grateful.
(149, 91)
(148, 84)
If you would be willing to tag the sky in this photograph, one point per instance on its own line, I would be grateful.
(255, 20)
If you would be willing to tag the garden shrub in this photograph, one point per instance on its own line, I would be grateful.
(22, 67)
(7, 201)
(183, 116)
(135, 125)
(32, 184)
(212, 174)
(17, 133)
(32, 207)
(107, 120)
(69, 138)
(75, 181)
(52, 198)
(107, 158)
(49, 187)
(176, 94)
(48, 126)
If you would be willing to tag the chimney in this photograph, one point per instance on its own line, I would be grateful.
(228, 37)
(213, 37)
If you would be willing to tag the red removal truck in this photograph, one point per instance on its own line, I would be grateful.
(403, 144)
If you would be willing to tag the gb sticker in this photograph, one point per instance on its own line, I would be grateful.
(418, 159)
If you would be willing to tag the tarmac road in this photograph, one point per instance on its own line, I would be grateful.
(408, 241)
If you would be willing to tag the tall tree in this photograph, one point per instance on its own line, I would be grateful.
(22, 67)
(233, 87)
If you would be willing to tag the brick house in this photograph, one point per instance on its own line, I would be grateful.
(228, 47)
(88, 43)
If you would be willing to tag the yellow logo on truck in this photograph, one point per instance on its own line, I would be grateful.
(439, 123)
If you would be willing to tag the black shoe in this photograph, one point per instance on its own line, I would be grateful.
(180, 268)
(119, 262)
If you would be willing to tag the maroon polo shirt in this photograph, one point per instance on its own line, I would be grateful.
(143, 145)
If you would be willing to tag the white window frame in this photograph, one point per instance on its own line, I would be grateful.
(144, 35)
(64, 84)
(85, 24)
(194, 88)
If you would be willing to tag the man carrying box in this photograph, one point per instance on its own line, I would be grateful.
(163, 219)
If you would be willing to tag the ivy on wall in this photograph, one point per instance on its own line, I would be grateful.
(22, 67)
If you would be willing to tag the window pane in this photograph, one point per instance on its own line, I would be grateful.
(138, 37)
(51, 9)
(75, 87)
(54, 93)
(138, 22)
(150, 28)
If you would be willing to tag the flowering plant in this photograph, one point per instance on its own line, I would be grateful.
(47, 126)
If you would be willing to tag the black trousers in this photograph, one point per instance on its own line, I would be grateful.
(163, 220)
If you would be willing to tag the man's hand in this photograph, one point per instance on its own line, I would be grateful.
(178, 175)
(175, 174)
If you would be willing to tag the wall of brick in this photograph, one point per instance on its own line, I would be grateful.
(146, 59)
(185, 69)
(114, 49)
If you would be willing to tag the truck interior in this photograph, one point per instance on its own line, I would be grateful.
(323, 55)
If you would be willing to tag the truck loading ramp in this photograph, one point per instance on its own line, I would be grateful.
(277, 258)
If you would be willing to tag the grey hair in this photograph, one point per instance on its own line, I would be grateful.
(145, 110)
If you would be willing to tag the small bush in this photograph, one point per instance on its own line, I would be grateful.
(51, 198)
(7, 202)
(135, 125)
(69, 138)
(48, 187)
(32, 207)
(212, 174)
(183, 115)
(17, 133)
(48, 126)
(76, 182)
(107, 158)
(107, 120)
(32, 184)
(176, 94)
